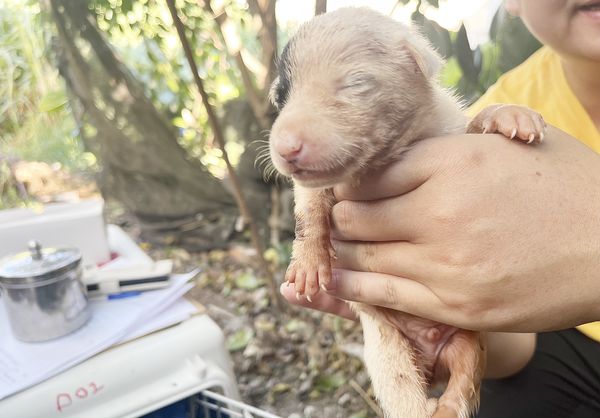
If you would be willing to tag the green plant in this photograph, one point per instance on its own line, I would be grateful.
(36, 123)
(471, 71)
(143, 34)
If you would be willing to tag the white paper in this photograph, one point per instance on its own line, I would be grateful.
(181, 310)
(24, 364)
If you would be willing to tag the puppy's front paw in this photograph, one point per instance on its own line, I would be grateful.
(310, 268)
(512, 121)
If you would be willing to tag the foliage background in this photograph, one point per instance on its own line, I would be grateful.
(35, 119)
(35, 116)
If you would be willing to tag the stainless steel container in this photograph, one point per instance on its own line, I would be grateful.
(43, 292)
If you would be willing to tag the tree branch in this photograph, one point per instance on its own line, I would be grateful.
(268, 36)
(257, 103)
(320, 7)
(254, 5)
(218, 134)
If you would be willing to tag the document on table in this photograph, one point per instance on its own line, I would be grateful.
(113, 321)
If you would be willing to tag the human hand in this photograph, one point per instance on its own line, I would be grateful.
(478, 232)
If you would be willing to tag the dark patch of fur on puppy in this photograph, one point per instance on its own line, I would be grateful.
(283, 86)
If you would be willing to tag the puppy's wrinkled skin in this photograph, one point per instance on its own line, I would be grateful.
(355, 90)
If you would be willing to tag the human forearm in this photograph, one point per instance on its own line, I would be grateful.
(507, 353)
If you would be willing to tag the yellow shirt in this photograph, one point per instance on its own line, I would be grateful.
(540, 83)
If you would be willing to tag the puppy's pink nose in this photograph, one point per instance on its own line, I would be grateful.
(289, 147)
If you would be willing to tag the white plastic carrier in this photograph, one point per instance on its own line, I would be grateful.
(188, 361)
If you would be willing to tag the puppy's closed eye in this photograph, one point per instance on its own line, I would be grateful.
(356, 83)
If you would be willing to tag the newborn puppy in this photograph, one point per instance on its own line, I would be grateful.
(355, 90)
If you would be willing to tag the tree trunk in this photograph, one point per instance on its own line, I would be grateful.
(268, 38)
(143, 166)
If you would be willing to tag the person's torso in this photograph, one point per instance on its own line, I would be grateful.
(540, 83)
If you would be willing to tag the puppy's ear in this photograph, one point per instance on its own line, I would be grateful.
(428, 61)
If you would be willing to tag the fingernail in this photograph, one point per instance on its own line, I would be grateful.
(298, 296)
(514, 133)
(324, 288)
(531, 138)
(309, 298)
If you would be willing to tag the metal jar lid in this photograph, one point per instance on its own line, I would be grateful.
(38, 265)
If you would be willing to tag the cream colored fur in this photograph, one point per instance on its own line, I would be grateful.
(356, 90)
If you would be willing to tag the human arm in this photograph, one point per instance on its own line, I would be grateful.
(508, 353)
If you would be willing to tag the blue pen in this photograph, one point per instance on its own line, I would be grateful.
(124, 295)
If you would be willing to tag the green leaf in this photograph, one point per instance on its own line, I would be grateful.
(417, 17)
(53, 100)
(271, 255)
(281, 387)
(499, 17)
(330, 382)
(295, 325)
(360, 414)
(438, 36)
(515, 41)
(451, 73)
(248, 281)
(240, 339)
(226, 291)
(179, 122)
(338, 324)
(466, 57)
(126, 6)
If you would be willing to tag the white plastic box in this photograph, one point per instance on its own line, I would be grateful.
(79, 224)
(134, 378)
